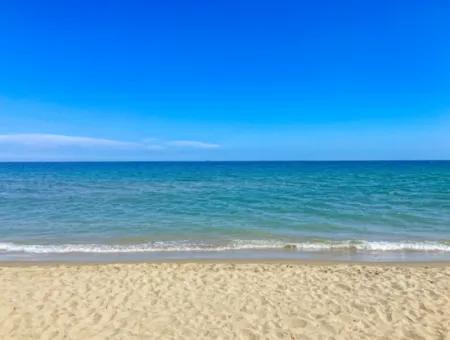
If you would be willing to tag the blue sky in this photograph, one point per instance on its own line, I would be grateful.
(231, 80)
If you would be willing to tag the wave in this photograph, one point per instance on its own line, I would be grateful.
(189, 246)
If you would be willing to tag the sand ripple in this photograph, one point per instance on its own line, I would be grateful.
(224, 301)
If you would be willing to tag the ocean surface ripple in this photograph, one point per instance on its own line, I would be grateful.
(220, 206)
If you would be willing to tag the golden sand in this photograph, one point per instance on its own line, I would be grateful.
(224, 301)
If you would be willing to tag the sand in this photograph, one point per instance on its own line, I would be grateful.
(224, 301)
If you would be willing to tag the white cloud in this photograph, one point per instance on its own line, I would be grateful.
(53, 140)
(154, 147)
(41, 140)
(192, 144)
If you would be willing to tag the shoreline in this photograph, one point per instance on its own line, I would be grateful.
(300, 262)
(242, 256)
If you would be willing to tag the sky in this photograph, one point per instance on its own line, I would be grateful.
(224, 80)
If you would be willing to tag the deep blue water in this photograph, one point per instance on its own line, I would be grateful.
(147, 207)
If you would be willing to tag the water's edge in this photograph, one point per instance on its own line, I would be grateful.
(346, 251)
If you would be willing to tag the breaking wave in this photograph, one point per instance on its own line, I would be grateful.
(190, 246)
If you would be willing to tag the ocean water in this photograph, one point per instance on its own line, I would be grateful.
(146, 210)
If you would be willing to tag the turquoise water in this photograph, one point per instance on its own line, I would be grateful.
(217, 208)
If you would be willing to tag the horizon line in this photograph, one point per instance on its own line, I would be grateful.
(225, 161)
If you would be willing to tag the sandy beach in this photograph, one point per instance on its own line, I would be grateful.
(224, 301)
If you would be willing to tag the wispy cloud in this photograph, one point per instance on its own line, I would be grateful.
(192, 144)
(53, 140)
(40, 140)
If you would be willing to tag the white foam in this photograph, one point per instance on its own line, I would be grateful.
(132, 248)
(183, 246)
(424, 246)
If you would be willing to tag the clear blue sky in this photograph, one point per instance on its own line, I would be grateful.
(224, 80)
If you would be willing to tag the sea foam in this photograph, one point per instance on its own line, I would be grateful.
(186, 246)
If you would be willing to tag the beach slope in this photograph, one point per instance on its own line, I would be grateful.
(224, 301)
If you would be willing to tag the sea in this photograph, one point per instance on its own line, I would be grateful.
(139, 211)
